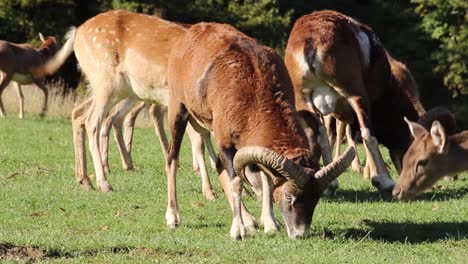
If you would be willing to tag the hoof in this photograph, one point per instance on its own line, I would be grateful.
(105, 187)
(210, 195)
(357, 168)
(238, 231)
(129, 168)
(270, 227)
(172, 218)
(86, 186)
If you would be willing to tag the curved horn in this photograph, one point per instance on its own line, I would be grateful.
(330, 172)
(41, 37)
(441, 114)
(271, 159)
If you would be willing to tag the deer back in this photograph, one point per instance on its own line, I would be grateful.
(120, 44)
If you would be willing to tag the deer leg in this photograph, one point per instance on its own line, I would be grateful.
(157, 114)
(177, 119)
(5, 80)
(125, 156)
(93, 123)
(340, 126)
(197, 150)
(78, 119)
(355, 165)
(209, 146)
(104, 134)
(20, 99)
(129, 125)
(41, 86)
(327, 122)
(379, 174)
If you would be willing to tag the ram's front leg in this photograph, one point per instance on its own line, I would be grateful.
(238, 230)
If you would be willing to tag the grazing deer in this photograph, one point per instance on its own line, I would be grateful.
(432, 155)
(124, 56)
(22, 64)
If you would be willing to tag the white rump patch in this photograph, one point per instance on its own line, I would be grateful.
(364, 44)
(324, 99)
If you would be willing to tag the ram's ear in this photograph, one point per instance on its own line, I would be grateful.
(439, 137)
(417, 131)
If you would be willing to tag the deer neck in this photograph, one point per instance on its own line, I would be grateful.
(457, 158)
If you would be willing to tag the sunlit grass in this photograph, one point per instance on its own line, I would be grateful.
(44, 211)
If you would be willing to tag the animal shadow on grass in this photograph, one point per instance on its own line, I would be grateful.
(359, 196)
(410, 232)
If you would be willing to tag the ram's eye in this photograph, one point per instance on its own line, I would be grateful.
(289, 198)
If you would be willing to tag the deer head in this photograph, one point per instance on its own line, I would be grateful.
(423, 161)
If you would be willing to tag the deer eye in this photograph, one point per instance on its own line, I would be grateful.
(421, 164)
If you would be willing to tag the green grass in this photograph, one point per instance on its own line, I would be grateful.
(45, 216)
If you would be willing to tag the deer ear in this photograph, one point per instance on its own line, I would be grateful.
(416, 129)
(41, 37)
(438, 137)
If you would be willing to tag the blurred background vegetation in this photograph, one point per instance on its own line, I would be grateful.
(430, 36)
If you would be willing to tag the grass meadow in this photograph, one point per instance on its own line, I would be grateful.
(45, 216)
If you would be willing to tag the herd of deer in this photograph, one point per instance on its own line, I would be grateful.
(265, 114)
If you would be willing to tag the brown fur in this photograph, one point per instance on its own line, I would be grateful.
(426, 162)
(124, 56)
(242, 92)
(23, 64)
(333, 54)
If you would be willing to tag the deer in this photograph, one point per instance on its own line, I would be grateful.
(341, 68)
(226, 82)
(113, 53)
(21, 64)
(432, 155)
